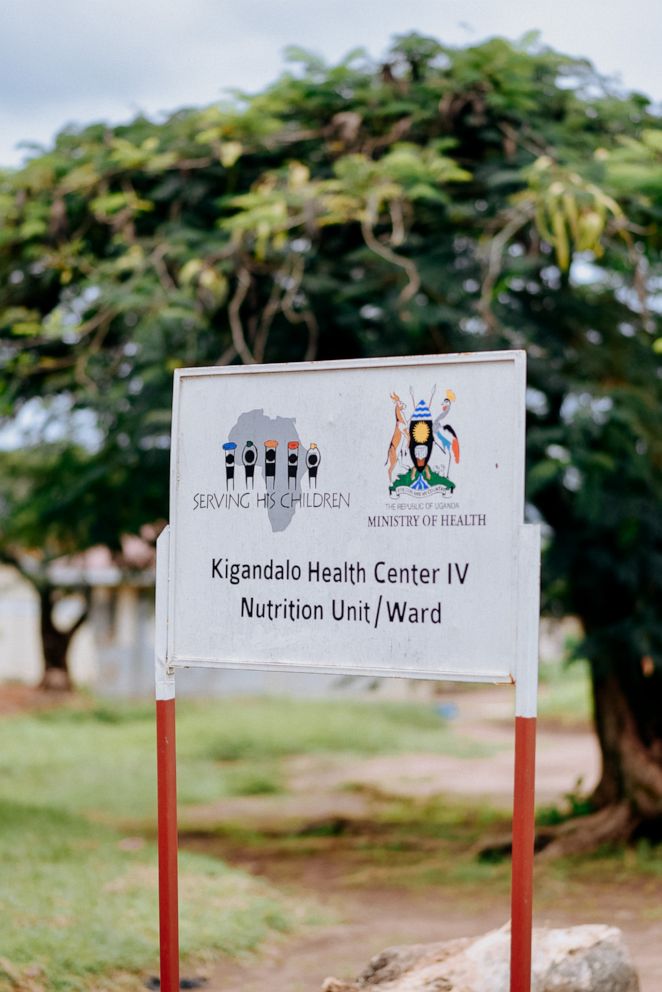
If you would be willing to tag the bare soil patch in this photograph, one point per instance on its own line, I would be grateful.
(367, 917)
(16, 698)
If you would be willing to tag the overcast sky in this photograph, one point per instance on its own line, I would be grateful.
(67, 61)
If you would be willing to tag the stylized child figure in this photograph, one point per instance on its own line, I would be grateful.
(313, 459)
(270, 462)
(249, 458)
(292, 462)
(229, 448)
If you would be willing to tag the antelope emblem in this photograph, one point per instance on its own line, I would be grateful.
(399, 432)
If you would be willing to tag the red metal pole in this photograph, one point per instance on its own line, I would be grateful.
(522, 866)
(167, 822)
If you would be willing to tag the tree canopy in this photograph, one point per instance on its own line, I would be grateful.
(439, 200)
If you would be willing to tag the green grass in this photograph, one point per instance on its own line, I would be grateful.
(78, 890)
(78, 897)
(621, 865)
(79, 902)
(101, 760)
(264, 728)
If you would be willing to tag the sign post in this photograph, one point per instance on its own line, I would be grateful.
(362, 518)
(166, 778)
(524, 825)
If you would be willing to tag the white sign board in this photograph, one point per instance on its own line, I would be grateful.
(352, 517)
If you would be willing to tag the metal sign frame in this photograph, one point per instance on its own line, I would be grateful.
(523, 673)
(360, 665)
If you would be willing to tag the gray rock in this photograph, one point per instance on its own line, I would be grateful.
(578, 959)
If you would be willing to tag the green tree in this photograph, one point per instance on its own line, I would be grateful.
(442, 200)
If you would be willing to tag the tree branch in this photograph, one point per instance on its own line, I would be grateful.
(305, 316)
(87, 596)
(266, 320)
(494, 258)
(236, 326)
(407, 264)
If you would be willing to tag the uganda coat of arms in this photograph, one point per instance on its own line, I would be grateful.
(423, 448)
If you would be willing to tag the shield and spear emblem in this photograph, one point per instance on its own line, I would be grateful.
(424, 447)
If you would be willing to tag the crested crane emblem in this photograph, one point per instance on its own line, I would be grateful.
(423, 448)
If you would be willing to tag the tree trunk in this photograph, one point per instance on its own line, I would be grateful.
(628, 798)
(628, 722)
(56, 642)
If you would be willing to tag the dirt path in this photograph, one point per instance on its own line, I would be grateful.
(374, 919)
(368, 914)
(371, 921)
